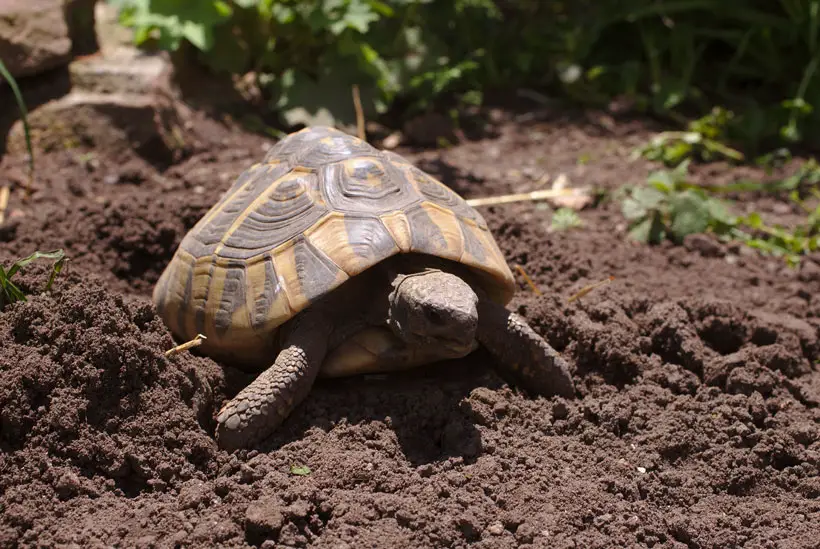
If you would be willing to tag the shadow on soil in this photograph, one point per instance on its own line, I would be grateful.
(424, 407)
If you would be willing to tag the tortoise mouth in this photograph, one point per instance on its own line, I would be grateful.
(457, 346)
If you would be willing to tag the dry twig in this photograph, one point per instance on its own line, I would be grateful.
(4, 202)
(586, 289)
(357, 104)
(187, 345)
(544, 194)
(528, 280)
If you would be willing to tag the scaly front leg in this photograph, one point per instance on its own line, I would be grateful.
(261, 407)
(522, 355)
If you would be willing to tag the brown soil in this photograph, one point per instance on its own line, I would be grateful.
(696, 422)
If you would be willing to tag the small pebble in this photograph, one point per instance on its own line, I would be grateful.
(602, 519)
(496, 528)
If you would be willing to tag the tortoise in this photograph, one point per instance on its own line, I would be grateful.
(333, 258)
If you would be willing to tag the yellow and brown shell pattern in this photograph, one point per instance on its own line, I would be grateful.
(321, 207)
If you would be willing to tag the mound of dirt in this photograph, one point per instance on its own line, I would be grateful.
(90, 407)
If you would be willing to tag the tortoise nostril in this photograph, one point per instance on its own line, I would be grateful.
(435, 317)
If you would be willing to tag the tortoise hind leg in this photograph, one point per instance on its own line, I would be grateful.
(261, 407)
(523, 356)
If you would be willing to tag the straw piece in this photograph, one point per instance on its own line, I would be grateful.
(187, 345)
(357, 104)
(528, 280)
(543, 194)
(4, 202)
(586, 289)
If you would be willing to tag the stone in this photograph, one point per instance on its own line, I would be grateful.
(145, 124)
(112, 37)
(34, 36)
(126, 72)
(121, 100)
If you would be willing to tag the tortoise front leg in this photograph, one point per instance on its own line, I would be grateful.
(261, 407)
(523, 356)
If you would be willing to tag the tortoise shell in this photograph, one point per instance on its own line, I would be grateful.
(321, 202)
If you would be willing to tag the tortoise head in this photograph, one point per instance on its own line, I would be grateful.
(434, 308)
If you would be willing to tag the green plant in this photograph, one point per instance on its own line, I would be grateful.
(703, 140)
(674, 58)
(21, 104)
(300, 470)
(790, 244)
(758, 58)
(306, 55)
(10, 293)
(669, 207)
(564, 219)
(664, 208)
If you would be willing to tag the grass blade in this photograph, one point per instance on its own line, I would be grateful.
(24, 115)
(9, 293)
(56, 269)
(58, 255)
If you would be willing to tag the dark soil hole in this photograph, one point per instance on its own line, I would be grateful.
(723, 335)
(763, 335)
(131, 486)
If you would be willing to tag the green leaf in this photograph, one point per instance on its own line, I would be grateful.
(649, 231)
(9, 292)
(358, 17)
(246, 4)
(798, 104)
(719, 212)
(382, 8)
(58, 255)
(564, 218)
(230, 55)
(198, 34)
(675, 153)
(648, 197)
(669, 94)
(55, 270)
(326, 99)
(633, 210)
(142, 35)
(690, 215)
(662, 181)
(754, 220)
(301, 470)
